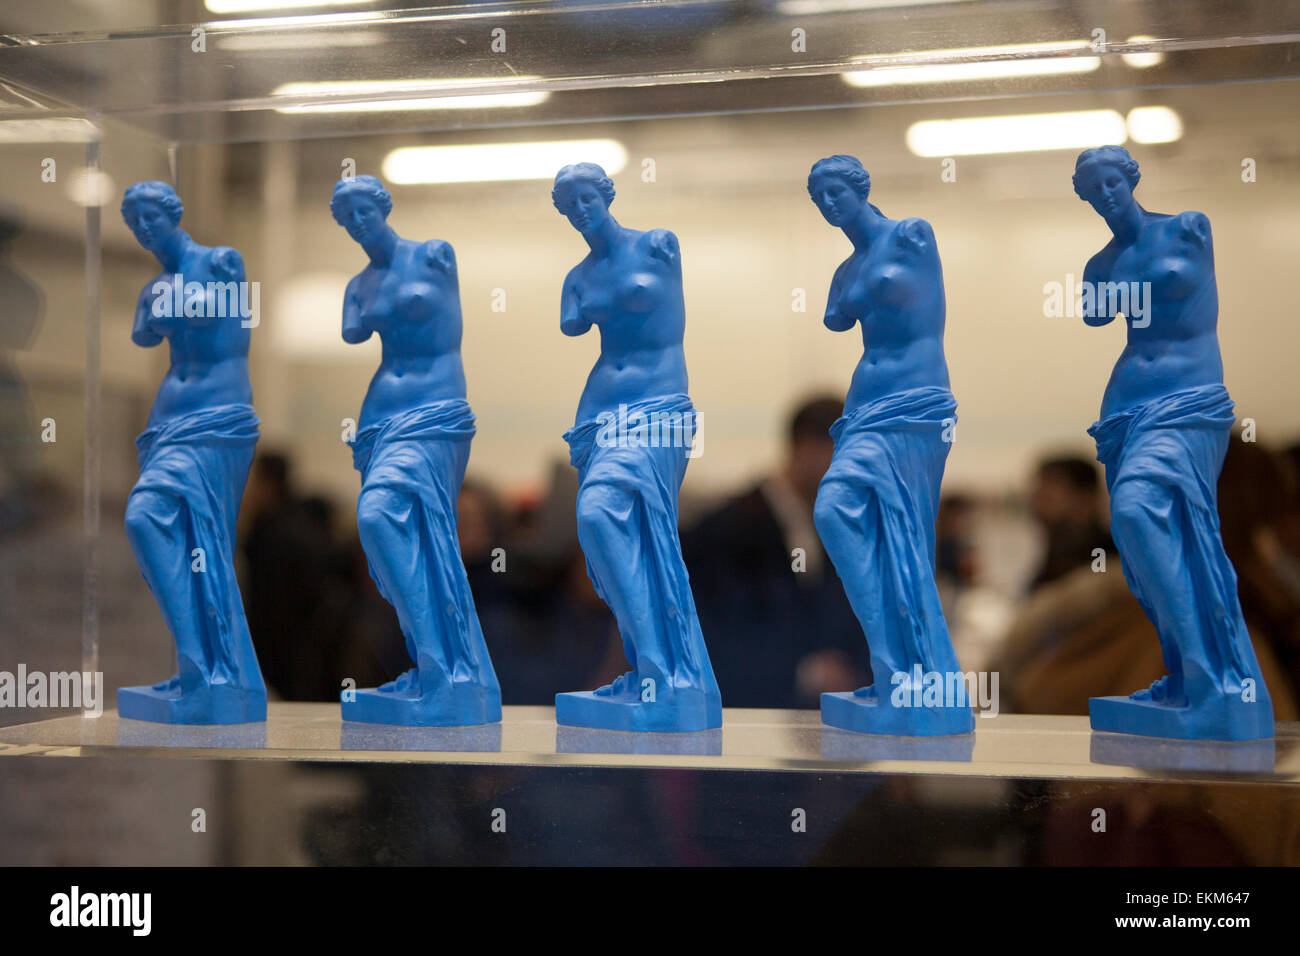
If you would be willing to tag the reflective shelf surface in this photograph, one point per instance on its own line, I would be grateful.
(1011, 746)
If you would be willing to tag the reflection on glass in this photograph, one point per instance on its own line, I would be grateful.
(483, 738)
(580, 740)
(1155, 753)
(144, 733)
(845, 745)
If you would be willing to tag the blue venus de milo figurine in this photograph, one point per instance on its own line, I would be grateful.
(1166, 420)
(630, 443)
(411, 449)
(877, 503)
(194, 460)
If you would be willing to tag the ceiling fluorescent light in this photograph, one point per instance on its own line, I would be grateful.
(498, 161)
(343, 88)
(59, 130)
(1154, 124)
(1016, 134)
(1040, 59)
(799, 8)
(305, 41)
(91, 187)
(1140, 61)
(256, 6)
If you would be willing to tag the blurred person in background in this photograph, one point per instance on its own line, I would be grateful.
(480, 525)
(956, 564)
(1259, 506)
(977, 609)
(544, 624)
(1284, 548)
(1279, 549)
(297, 596)
(779, 628)
(1068, 503)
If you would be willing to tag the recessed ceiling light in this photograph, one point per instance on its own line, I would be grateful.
(373, 88)
(971, 63)
(499, 161)
(1154, 124)
(1027, 132)
(1140, 61)
(256, 6)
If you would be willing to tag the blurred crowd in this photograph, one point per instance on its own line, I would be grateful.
(779, 628)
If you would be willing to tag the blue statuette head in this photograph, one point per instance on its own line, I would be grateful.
(1105, 178)
(839, 186)
(153, 211)
(583, 193)
(361, 205)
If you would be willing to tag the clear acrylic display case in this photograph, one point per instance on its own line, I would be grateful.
(712, 113)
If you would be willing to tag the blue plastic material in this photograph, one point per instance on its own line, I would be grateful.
(877, 503)
(1166, 420)
(630, 442)
(411, 450)
(194, 461)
